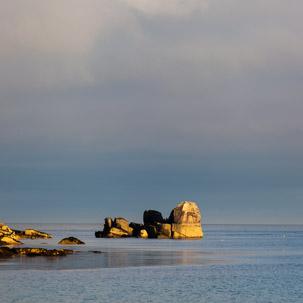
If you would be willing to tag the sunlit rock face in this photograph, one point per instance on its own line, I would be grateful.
(8, 236)
(186, 221)
(185, 213)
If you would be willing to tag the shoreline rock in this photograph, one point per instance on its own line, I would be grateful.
(32, 234)
(184, 222)
(33, 252)
(11, 237)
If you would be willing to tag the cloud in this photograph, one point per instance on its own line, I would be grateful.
(178, 8)
(210, 74)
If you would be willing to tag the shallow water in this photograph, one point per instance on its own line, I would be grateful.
(233, 263)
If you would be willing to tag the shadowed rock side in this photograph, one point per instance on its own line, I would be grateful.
(184, 222)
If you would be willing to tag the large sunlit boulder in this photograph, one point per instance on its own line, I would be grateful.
(186, 221)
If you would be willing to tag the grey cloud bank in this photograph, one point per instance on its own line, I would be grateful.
(129, 105)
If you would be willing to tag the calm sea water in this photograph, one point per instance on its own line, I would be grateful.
(232, 263)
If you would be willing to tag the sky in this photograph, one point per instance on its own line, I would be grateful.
(108, 108)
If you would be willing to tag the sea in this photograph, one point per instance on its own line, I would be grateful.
(232, 263)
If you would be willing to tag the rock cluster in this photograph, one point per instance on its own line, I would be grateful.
(12, 237)
(184, 222)
(33, 252)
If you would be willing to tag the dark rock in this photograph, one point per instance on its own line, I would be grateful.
(152, 231)
(6, 252)
(70, 241)
(99, 234)
(152, 217)
(33, 252)
(136, 229)
(108, 223)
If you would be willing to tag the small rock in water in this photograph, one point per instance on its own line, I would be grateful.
(71, 241)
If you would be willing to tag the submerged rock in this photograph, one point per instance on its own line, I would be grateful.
(6, 252)
(33, 252)
(70, 241)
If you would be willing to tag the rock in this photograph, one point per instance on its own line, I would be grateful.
(115, 229)
(152, 217)
(117, 233)
(33, 252)
(8, 236)
(35, 234)
(136, 229)
(107, 225)
(185, 213)
(11, 237)
(9, 241)
(99, 234)
(184, 222)
(6, 252)
(151, 231)
(122, 224)
(70, 241)
(5, 229)
(164, 230)
(187, 231)
(143, 234)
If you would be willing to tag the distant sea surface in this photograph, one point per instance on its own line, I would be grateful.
(232, 263)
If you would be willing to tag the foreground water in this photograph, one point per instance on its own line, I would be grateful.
(233, 263)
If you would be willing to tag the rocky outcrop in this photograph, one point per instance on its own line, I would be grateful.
(117, 228)
(8, 236)
(184, 222)
(12, 237)
(32, 234)
(70, 241)
(32, 252)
